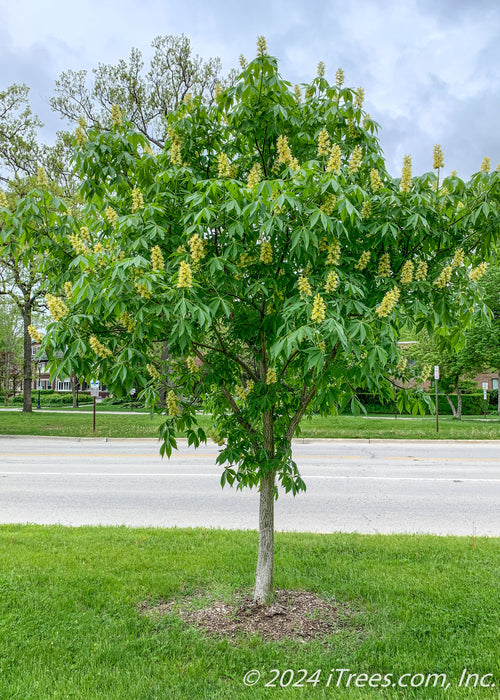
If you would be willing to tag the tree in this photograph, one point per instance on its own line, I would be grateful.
(270, 250)
(10, 349)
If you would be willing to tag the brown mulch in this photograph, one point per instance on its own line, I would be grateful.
(293, 615)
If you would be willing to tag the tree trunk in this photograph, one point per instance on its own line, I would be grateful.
(459, 398)
(452, 405)
(264, 584)
(498, 392)
(74, 383)
(27, 364)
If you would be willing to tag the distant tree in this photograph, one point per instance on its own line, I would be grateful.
(10, 349)
(269, 250)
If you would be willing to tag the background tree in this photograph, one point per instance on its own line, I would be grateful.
(10, 349)
(268, 248)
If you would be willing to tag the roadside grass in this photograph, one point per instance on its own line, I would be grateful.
(133, 425)
(70, 624)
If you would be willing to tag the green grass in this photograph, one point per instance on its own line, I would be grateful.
(132, 425)
(70, 626)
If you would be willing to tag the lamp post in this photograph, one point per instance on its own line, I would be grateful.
(39, 383)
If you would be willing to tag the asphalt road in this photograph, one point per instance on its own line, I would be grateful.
(352, 485)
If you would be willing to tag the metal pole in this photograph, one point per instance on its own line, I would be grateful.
(437, 407)
(38, 404)
(94, 411)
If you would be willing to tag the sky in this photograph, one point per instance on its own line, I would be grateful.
(430, 68)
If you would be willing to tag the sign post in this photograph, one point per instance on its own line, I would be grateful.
(485, 397)
(94, 392)
(436, 377)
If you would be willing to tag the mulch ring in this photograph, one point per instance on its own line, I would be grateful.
(293, 615)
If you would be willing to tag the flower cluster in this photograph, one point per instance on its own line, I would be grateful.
(191, 365)
(407, 272)
(384, 265)
(426, 372)
(175, 147)
(339, 77)
(319, 309)
(359, 97)
(3, 200)
(127, 322)
(297, 94)
(375, 181)
(478, 272)
(323, 143)
(241, 393)
(142, 290)
(444, 278)
(153, 372)
(388, 303)
(243, 61)
(366, 121)
(285, 154)
(35, 334)
(80, 135)
(321, 69)
(254, 176)
(304, 287)
(197, 248)
(261, 46)
(332, 282)
(77, 243)
(68, 290)
(41, 178)
(458, 258)
(172, 403)
(329, 204)
(223, 166)
(111, 215)
(333, 256)
(421, 273)
(157, 261)
(271, 376)
(438, 157)
(185, 279)
(137, 200)
(402, 365)
(405, 184)
(99, 348)
(116, 115)
(355, 159)
(366, 209)
(266, 253)
(363, 261)
(335, 161)
(98, 248)
(57, 307)
(486, 164)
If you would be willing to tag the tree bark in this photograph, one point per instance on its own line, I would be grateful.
(264, 581)
(27, 364)
(498, 392)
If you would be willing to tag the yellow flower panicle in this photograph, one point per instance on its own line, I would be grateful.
(319, 309)
(85, 233)
(157, 261)
(223, 167)
(323, 143)
(127, 322)
(329, 204)
(197, 248)
(422, 269)
(407, 272)
(68, 290)
(116, 115)
(359, 97)
(366, 121)
(486, 164)
(335, 161)
(333, 256)
(285, 154)
(4, 202)
(98, 248)
(175, 148)
(261, 46)
(444, 278)
(384, 265)
(478, 271)
(77, 243)
(137, 200)
(375, 181)
(250, 385)
(254, 176)
(332, 282)
(35, 334)
(309, 92)
(405, 184)
(458, 258)
(111, 215)
(185, 279)
(80, 136)
(426, 372)
(57, 307)
(266, 253)
(142, 290)
(241, 393)
(99, 348)
(388, 303)
(41, 178)
(153, 372)
(355, 159)
(366, 209)
(438, 157)
(322, 346)
(271, 376)
(172, 403)
(191, 365)
(297, 92)
(402, 365)
(339, 77)
(321, 70)
(363, 261)
(242, 61)
(304, 287)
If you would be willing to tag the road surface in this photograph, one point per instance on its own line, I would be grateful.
(440, 487)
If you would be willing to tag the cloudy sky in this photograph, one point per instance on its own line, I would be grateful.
(430, 68)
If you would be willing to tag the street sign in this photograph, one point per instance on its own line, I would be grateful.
(436, 371)
(485, 385)
(94, 389)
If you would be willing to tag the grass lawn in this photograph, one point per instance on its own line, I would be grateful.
(130, 425)
(70, 626)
